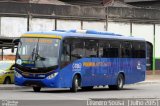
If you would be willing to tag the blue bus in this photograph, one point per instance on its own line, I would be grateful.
(79, 59)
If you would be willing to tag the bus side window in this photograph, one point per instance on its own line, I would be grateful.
(142, 50)
(135, 48)
(138, 50)
(77, 49)
(91, 48)
(65, 57)
(103, 49)
(114, 50)
(126, 50)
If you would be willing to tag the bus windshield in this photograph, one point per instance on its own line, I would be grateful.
(38, 52)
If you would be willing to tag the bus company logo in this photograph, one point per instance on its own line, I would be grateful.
(76, 66)
(139, 65)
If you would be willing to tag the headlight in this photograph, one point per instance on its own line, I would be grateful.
(52, 75)
(17, 74)
(2, 73)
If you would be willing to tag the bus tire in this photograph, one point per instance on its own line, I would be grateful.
(88, 88)
(119, 84)
(7, 80)
(75, 84)
(36, 89)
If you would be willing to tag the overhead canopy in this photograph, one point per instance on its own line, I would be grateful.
(7, 42)
(138, 0)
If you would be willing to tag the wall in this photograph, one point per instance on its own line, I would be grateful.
(120, 28)
(94, 25)
(68, 24)
(37, 24)
(13, 26)
(157, 45)
(157, 40)
(143, 30)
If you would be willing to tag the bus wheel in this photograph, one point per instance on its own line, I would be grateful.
(7, 80)
(120, 83)
(75, 84)
(87, 88)
(36, 89)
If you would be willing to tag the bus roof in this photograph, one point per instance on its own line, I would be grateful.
(80, 33)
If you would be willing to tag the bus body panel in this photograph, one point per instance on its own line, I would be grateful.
(94, 72)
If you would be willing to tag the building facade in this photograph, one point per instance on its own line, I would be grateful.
(127, 20)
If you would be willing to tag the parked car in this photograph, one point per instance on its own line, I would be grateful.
(6, 72)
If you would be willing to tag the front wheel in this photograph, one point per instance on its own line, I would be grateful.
(119, 84)
(36, 89)
(7, 80)
(75, 84)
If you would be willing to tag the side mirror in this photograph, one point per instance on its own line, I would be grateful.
(12, 68)
(15, 42)
(12, 50)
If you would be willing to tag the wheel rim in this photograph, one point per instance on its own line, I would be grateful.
(76, 83)
(7, 81)
(120, 82)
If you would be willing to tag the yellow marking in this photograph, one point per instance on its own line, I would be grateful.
(92, 64)
(31, 40)
(49, 41)
(41, 36)
(89, 64)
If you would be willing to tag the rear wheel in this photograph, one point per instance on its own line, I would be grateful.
(120, 83)
(7, 80)
(75, 84)
(36, 89)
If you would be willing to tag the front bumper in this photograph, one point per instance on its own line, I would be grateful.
(51, 83)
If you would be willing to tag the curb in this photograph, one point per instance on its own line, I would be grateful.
(12, 87)
(148, 82)
(15, 87)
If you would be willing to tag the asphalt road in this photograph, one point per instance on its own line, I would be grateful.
(63, 97)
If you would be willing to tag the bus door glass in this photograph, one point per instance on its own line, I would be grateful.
(65, 56)
(72, 57)
(79, 62)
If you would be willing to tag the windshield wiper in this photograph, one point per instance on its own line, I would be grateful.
(19, 46)
(35, 56)
(38, 57)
